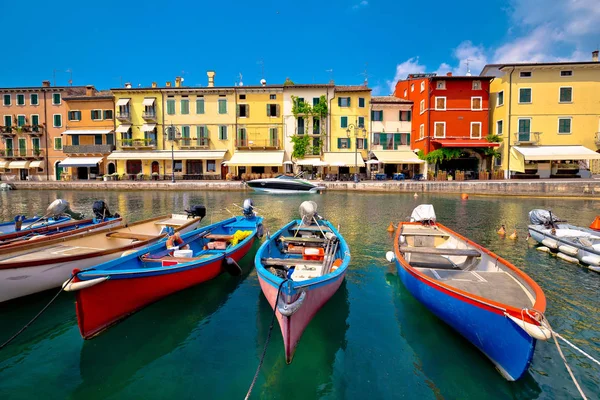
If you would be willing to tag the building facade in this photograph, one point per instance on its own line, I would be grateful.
(548, 115)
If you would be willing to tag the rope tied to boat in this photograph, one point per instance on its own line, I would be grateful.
(27, 325)
(264, 352)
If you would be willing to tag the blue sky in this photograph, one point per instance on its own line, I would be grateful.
(143, 41)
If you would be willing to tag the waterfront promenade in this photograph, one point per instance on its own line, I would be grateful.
(546, 188)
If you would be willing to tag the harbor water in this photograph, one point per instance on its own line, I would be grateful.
(373, 340)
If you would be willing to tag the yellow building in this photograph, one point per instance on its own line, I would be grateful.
(548, 115)
(350, 120)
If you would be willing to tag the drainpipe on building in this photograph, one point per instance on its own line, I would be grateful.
(162, 99)
(235, 127)
(46, 137)
(329, 120)
(509, 117)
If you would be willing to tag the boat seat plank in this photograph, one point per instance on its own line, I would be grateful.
(424, 233)
(441, 251)
(299, 239)
(130, 235)
(310, 229)
(290, 262)
(172, 222)
(219, 237)
(431, 261)
(178, 259)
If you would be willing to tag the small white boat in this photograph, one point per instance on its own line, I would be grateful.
(284, 184)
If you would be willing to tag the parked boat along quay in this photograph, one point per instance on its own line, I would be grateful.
(550, 188)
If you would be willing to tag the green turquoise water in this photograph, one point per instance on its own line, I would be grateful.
(373, 340)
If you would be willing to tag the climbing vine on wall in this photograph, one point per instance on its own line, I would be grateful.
(304, 110)
(301, 143)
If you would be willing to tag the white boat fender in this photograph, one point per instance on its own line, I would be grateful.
(550, 243)
(288, 310)
(567, 258)
(591, 260)
(535, 331)
(543, 249)
(390, 256)
(568, 250)
(232, 267)
(594, 268)
(70, 286)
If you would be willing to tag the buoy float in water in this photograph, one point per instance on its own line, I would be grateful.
(513, 235)
(415, 195)
(502, 230)
(543, 249)
(464, 196)
(391, 228)
(567, 258)
(596, 224)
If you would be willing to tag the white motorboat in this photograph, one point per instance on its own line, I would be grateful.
(284, 184)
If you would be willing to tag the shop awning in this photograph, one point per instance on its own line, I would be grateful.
(148, 127)
(311, 161)
(122, 102)
(166, 155)
(80, 162)
(465, 143)
(87, 132)
(517, 162)
(397, 157)
(36, 164)
(553, 153)
(123, 128)
(4, 164)
(148, 101)
(19, 165)
(343, 159)
(256, 158)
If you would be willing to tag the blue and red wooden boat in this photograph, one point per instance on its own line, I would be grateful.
(299, 268)
(489, 301)
(111, 291)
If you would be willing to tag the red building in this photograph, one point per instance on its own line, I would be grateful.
(450, 112)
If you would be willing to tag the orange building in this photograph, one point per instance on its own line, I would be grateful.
(88, 137)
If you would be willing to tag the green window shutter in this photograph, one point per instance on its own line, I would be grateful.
(7, 100)
(373, 115)
(349, 102)
(408, 139)
(277, 109)
(409, 115)
(20, 120)
(339, 101)
(316, 101)
(199, 106)
(339, 143)
(170, 107)
(366, 143)
(268, 110)
(361, 101)
(361, 122)
(75, 140)
(35, 120)
(344, 123)
(397, 140)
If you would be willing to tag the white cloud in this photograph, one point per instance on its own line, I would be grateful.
(410, 66)
(362, 4)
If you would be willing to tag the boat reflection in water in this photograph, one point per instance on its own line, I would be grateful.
(322, 342)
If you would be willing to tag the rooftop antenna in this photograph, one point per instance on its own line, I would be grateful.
(330, 73)
(240, 83)
(262, 68)
(365, 74)
(468, 69)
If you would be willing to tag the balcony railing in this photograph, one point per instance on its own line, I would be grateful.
(149, 115)
(527, 137)
(89, 149)
(138, 143)
(22, 153)
(268, 144)
(123, 116)
(597, 138)
(194, 142)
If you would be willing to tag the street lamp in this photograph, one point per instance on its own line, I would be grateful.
(358, 130)
(173, 135)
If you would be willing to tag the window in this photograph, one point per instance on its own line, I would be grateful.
(405, 92)
(476, 85)
(108, 114)
(421, 131)
(564, 125)
(9, 146)
(499, 128)
(222, 106)
(73, 116)
(56, 98)
(57, 119)
(242, 139)
(133, 167)
(361, 122)
(525, 74)
(7, 120)
(110, 138)
(171, 106)
(242, 97)
(391, 141)
(300, 129)
(211, 166)
(361, 102)
(57, 143)
(200, 105)
(525, 95)
(273, 137)
(440, 130)
(422, 107)
(35, 122)
(441, 85)
(272, 110)
(272, 97)
(475, 103)
(33, 99)
(316, 101)
(566, 73)
(20, 99)
(500, 98)
(22, 146)
(223, 132)
(422, 86)
(344, 122)
(361, 144)
(524, 130)
(185, 106)
(475, 130)
(343, 143)
(243, 110)
(97, 139)
(300, 100)
(7, 100)
(440, 103)
(344, 101)
(412, 87)
(20, 120)
(185, 132)
(96, 115)
(565, 95)
(75, 140)
(405, 115)
(377, 115)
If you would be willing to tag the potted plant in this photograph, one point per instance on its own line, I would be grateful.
(106, 178)
(1, 153)
(140, 176)
(155, 176)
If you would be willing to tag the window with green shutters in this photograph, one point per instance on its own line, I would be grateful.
(74, 115)
(361, 102)
(35, 123)
(524, 130)
(35, 145)
(108, 114)
(377, 115)
(6, 99)
(200, 106)
(171, 106)
(222, 106)
(343, 143)
(57, 119)
(33, 99)
(344, 101)
(185, 132)
(56, 98)
(500, 99)
(316, 100)
(273, 137)
(96, 115)
(223, 132)
(344, 122)
(202, 135)
(566, 94)
(361, 122)
(22, 146)
(564, 126)
(75, 140)
(97, 139)
(525, 95)
(185, 106)
(9, 147)
(20, 99)
(110, 139)
(361, 144)
(300, 126)
(20, 120)
(7, 120)
(241, 138)
(57, 143)
(405, 116)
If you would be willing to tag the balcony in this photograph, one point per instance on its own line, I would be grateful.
(268, 144)
(597, 140)
(527, 138)
(89, 149)
(194, 143)
(7, 131)
(137, 144)
(35, 154)
(124, 116)
(149, 116)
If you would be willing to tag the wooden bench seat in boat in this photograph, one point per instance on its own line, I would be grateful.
(219, 237)
(130, 235)
(440, 251)
(177, 259)
(174, 222)
(290, 262)
(302, 240)
(423, 232)
(310, 229)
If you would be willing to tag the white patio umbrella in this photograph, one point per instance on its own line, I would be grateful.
(373, 162)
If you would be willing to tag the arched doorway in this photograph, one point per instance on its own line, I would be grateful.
(155, 170)
(111, 168)
(57, 170)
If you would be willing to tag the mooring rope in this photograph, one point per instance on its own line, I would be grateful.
(13, 337)
(264, 352)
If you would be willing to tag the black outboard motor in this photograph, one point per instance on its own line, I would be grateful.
(248, 208)
(196, 211)
(101, 210)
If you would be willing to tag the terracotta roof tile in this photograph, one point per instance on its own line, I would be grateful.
(389, 99)
(352, 88)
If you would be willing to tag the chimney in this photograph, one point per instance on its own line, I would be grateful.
(89, 90)
(127, 85)
(595, 55)
(168, 84)
(45, 83)
(177, 81)
(211, 78)
(153, 84)
(448, 73)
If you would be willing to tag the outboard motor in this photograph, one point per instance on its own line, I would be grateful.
(101, 210)
(248, 208)
(59, 207)
(196, 211)
(543, 217)
(308, 211)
